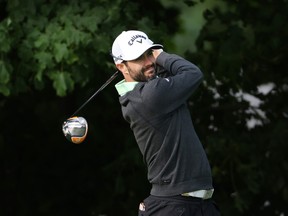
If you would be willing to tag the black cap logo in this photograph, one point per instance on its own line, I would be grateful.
(138, 38)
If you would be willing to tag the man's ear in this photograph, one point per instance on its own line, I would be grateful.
(122, 67)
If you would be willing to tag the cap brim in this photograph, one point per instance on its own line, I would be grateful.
(155, 46)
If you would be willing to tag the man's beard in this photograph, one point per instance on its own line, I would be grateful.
(140, 76)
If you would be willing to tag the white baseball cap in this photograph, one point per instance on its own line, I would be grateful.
(130, 45)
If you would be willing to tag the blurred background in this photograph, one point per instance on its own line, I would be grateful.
(55, 54)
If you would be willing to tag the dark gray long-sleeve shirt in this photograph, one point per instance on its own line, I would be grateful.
(162, 125)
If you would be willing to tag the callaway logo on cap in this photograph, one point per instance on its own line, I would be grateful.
(130, 45)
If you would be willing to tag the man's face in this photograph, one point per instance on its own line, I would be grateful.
(143, 68)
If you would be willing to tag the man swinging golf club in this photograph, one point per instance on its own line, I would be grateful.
(153, 99)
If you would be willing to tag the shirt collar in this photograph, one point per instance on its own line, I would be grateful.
(123, 87)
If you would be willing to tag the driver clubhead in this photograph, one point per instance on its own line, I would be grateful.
(75, 129)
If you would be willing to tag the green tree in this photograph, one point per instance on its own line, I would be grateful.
(53, 55)
(242, 49)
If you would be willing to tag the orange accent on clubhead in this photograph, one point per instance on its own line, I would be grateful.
(78, 140)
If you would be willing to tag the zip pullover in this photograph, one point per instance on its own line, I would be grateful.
(160, 120)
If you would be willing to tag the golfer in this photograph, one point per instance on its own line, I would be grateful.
(153, 99)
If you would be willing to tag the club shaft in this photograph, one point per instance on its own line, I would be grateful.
(99, 90)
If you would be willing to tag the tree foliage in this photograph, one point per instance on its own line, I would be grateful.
(55, 54)
(243, 48)
(62, 42)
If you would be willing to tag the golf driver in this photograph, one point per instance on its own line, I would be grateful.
(75, 128)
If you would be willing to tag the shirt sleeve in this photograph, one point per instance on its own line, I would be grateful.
(167, 94)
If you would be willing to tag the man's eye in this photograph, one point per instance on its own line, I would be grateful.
(139, 58)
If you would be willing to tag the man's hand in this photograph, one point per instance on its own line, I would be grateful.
(156, 52)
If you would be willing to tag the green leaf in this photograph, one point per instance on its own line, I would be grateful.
(44, 60)
(5, 39)
(42, 42)
(60, 51)
(4, 90)
(8, 21)
(62, 82)
(4, 73)
(72, 58)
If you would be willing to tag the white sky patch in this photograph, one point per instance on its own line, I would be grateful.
(216, 95)
(267, 203)
(255, 102)
(266, 88)
(253, 109)
(253, 122)
(258, 115)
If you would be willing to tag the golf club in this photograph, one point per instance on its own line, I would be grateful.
(75, 128)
